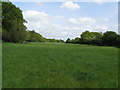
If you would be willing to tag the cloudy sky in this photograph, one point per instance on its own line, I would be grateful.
(62, 20)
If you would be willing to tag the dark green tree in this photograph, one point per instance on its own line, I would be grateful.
(118, 41)
(32, 36)
(109, 38)
(61, 40)
(68, 40)
(77, 40)
(12, 23)
(97, 38)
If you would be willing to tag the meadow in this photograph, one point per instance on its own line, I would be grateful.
(59, 65)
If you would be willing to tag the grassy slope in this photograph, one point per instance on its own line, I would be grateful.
(58, 65)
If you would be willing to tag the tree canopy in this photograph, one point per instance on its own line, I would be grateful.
(109, 38)
(12, 23)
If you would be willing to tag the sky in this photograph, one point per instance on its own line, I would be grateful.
(62, 20)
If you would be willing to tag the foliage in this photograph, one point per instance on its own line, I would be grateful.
(12, 23)
(98, 38)
(55, 40)
(32, 36)
(68, 40)
(14, 30)
(109, 38)
(87, 36)
(118, 41)
(77, 40)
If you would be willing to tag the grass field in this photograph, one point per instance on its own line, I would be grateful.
(57, 65)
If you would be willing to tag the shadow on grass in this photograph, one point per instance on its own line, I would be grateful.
(84, 76)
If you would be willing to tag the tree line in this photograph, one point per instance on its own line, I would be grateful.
(13, 28)
(109, 38)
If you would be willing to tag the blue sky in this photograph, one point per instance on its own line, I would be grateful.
(61, 20)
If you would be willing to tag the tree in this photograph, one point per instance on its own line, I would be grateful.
(97, 38)
(12, 23)
(109, 38)
(68, 40)
(77, 40)
(87, 36)
(118, 41)
(32, 36)
(61, 40)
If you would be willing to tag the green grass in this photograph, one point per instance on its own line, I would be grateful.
(57, 65)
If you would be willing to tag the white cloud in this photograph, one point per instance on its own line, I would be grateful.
(103, 19)
(82, 21)
(43, 23)
(106, 19)
(98, 1)
(35, 15)
(70, 5)
(73, 21)
(101, 28)
(88, 23)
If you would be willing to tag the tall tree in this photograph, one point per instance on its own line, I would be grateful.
(12, 23)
